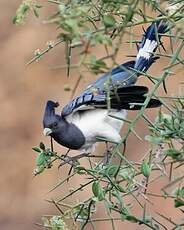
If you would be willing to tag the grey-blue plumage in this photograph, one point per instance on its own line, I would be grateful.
(86, 117)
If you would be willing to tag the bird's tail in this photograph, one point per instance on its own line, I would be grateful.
(150, 42)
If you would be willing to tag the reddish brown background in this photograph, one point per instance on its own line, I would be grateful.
(23, 93)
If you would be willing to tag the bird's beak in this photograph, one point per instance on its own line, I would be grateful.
(47, 131)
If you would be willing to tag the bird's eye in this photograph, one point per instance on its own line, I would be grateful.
(54, 124)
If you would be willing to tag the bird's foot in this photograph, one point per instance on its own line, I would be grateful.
(107, 154)
(73, 161)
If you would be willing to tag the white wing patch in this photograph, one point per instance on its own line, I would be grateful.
(147, 49)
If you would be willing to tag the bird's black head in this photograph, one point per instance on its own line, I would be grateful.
(52, 122)
(66, 134)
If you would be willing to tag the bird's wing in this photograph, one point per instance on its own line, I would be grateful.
(119, 77)
(129, 97)
(122, 75)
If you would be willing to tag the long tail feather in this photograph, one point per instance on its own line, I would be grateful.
(150, 42)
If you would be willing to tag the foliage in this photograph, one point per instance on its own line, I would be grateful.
(85, 25)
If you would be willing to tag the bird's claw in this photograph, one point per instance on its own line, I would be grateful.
(107, 154)
(69, 160)
(73, 161)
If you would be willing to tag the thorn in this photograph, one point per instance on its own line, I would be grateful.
(113, 32)
(144, 30)
(69, 172)
(137, 45)
(171, 45)
(161, 43)
(164, 86)
(156, 58)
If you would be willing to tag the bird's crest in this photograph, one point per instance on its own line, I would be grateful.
(50, 108)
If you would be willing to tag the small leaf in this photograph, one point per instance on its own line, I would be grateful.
(174, 153)
(180, 192)
(109, 21)
(95, 188)
(80, 170)
(124, 213)
(36, 13)
(101, 195)
(38, 5)
(40, 160)
(14, 19)
(39, 169)
(153, 140)
(156, 227)
(98, 191)
(24, 8)
(120, 188)
(67, 87)
(178, 203)
(36, 149)
(42, 146)
(145, 169)
(112, 170)
(132, 219)
(71, 25)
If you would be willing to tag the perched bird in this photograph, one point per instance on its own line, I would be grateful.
(91, 115)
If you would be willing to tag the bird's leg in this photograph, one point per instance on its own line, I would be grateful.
(107, 153)
(65, 158)
(73, 160)
(76, 158)
(66, 154)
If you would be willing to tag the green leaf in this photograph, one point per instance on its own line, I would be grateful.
(120, 188)
(124, 213)
(97, 65)
(98, 191)
(39, 169)
(101, 195)
(38, 5)
(178, 203)
(153, 140)
(109, 21)
(132, 219)
(40, 160)
(112, 170)
(180, 192)
(36, 13)
(95, 188)
(174, 153)
(129, 15)
(176, 123)
(118, 196)
(125, 173)
(145, 169)
(102, 39)
(24, 8)
(156, 227)
(14, 19)
(36, 149)
(42, 146)
(72, 26)
(67, 87)
(80, 170)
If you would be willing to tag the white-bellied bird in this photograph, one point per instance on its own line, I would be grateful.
(91, 117)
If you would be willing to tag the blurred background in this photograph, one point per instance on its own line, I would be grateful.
(23, 93)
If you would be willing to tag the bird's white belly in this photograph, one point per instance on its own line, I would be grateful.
(97, 123)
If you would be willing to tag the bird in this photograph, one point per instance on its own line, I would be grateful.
(91, 117)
